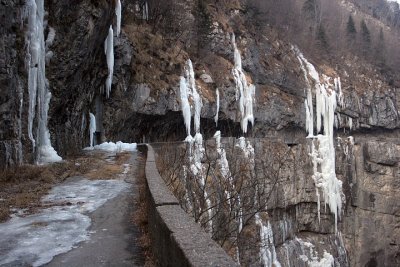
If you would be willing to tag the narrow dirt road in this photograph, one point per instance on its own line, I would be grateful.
(88, 223)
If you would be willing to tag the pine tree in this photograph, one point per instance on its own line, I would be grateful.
(351, 28)
(380, 50)
(322, 40)
(311, 11)
(365, 38)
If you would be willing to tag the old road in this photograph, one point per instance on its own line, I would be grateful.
(87, 221)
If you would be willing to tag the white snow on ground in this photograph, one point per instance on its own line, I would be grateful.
(36, 239)
(114, 147)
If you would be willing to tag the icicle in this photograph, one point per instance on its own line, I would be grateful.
(322, 147)
(188, 91)
(92, 129)
(39, 95)
(196, 97)
(308, 102)
(118, 13)
(109, 50)
(145, 11)
(268, 255)
(33, 55)
(244, 92)
(50, 37)
(338, 88)
(217, 100)
(185, 104)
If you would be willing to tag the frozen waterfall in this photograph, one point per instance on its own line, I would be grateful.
(39, 95)
(190, 98)
(245, 92)
(322, 147)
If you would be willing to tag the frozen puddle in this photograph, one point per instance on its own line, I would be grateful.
(36, 239)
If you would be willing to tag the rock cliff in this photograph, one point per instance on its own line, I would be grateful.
(144, 103)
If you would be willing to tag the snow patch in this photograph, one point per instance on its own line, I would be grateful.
(114, 147)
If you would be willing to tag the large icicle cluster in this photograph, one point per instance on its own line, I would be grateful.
(39, 95)
(322, 147)
(109, 51)
(245, 92)
(109, 47)
(190, 99)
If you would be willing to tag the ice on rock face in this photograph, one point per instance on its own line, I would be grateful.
(39, 95)
(188, 95)
(267, 249)
(322, 147)
(217, 101)
(184, 94)
(50, 37)
(92, 128)
(145, 11)
(118, 14)
(312, 259)
(109, 51)
(35, 239)
(245, 92)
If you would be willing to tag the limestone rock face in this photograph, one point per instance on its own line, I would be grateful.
(12, 83)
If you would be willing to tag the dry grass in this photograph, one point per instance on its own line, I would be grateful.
(22, 188)
(101, 169)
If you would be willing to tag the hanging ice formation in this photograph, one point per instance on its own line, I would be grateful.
(118, 14)
(216, 100)
(39, 95)
(245, 92)
(267, 249)
(92, 128)
(188, 93)
(145, 11)
(109, 51)
(322, 147)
